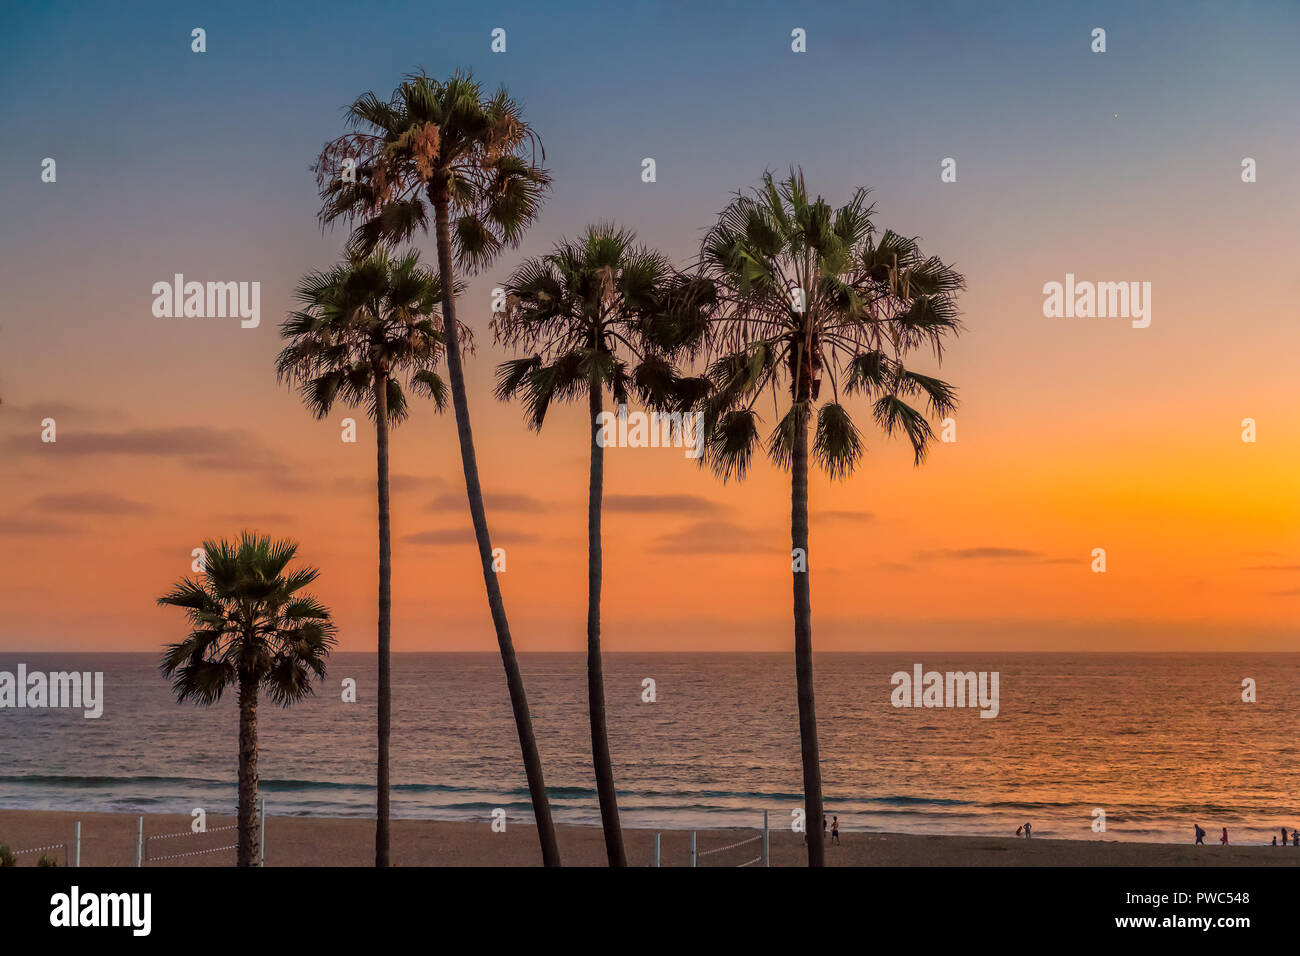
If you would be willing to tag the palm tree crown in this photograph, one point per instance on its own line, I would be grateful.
(805, 291)
(250, 621)
(363, 321)
(434, 140)
(581, 308)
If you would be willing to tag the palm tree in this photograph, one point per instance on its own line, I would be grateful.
(253, 628)
(586, 309)
(805, 291)
(469, 156)
(366, 325)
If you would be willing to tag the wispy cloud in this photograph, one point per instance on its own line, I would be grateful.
(91, 503)
(463, 536)
(16, 524)
(198, 447)
(899, 566)
(661, 504)
(984, 553)
(450, 501)
(712, 537)
(187, 441)
(398, 484)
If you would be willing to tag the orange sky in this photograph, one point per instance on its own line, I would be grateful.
(1073, 433)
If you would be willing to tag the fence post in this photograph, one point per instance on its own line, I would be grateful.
(77, 857)
(261, 839)
(767, 856)
(693, 863)
(656, 850)
(139, 839)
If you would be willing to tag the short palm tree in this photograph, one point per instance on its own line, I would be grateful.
(253, 628)
(469, 157)
(586, 310)
(803, 292)
(366, 326)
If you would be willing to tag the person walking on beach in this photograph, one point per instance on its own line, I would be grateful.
(1029, 830)
(1200, 834)
(1224, 839)
(835, 831)
(1295, 837)
(1283, 837)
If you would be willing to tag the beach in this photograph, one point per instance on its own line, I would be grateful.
(109, 839)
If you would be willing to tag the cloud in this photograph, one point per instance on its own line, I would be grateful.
(661, 504)
(15, 524)
(462, 536)
(985, 553)
(452, 501)
(396, 483)
(1274, 567)
(56, 410)
(181, 442)
(199, 447)
(712, 537)
(91, 503)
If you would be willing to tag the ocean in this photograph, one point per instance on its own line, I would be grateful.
(1157, 742)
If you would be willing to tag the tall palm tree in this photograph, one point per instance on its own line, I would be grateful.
(252, 628)
(472, 158)
(586, 310)
(366, 325)
(803, 291)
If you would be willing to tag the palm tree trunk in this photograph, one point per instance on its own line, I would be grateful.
(803, 660)
(605, 791)
(246, 854)
(385, 716)
(514, 680)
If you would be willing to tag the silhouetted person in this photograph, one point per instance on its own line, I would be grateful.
(1200, 834)
(1224, 839)
(1029, 830)
(1295, 837)
(1283, 837)
(1275, 842)
(835, 831)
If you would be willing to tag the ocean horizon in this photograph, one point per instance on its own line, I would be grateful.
(1157, 742)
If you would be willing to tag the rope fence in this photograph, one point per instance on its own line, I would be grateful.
(42, 849)
(72, 852)
(731, 846)
(181, 856)
(143, 853)
(172, 836)
(698, 854)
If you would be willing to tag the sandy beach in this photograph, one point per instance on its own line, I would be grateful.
(109, 839)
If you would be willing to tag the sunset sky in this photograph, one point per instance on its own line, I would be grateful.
(1073, 433)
